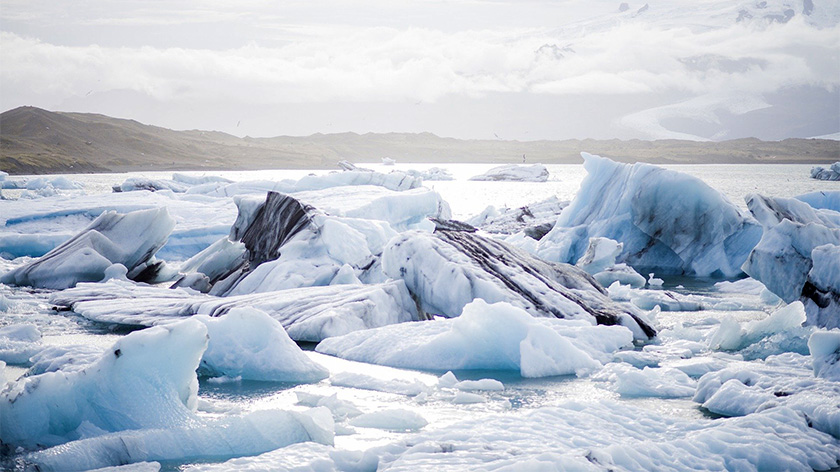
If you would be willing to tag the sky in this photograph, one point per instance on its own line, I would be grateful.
(470, 69)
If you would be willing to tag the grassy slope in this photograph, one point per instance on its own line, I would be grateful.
(34, 141)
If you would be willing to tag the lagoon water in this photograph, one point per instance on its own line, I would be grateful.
(521, 397)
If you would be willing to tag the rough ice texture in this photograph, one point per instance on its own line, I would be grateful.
(248, 343)
(146, 380)
(669, 222)
(822, 199)
(517, 173)
(733, 336)
(797, 255)
(254, 433)
(599, 435)
(821, 173)
(448, 269)
(824, 347)
(307, 314)
(129, 239)
(432, 173)
(498, 337)
(782, 381)
(534, 219)
(19, 342)
(599, 261)
(391, 420)
(133, 184)
(630, 381)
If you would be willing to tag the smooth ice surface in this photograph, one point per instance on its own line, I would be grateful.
(824, 347)
(448, 269)
(669, 222)
(249, 344)
(129, 239)
(496, 337)
(392, 420)
(829, 200)
(307, 314)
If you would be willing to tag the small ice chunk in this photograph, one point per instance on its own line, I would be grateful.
(19, 342)
(466, 398)
(732, 336)
(447, 380)
(390, 420)
(825, 351)
(653, 281)
(483, 384)
(367, 382)
(249, 344)
(653, 382)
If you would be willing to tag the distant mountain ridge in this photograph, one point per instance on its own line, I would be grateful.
(37, 141)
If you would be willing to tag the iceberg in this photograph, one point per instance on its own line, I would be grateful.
(430, 174)
(821, 173)
(669, 222)
(307, 314)
(146, 380)
(495, 336)
(513, 172)
(822, 200)
(130, 239)
(394, 181)
(449, 268)
(535, 219)
(797, 255)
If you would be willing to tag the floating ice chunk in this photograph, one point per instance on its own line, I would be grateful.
(307, 314)
(132, 184)
(732, 336)
(621, 273)
(783, 259)
(498, 337)
(137, 467)
(430, 174)
(825, 351)
(482, 384)
(648, 381)
(447, 380)
(698, 366)
(513, 172)
(390, 420)
(450, 268)
(58, 182)
(299, 457)
(338, 408)
(251, 434)
(129, 239)
(146, 380)
(393, 181)
(747, 285)
(249, 344)
(638, 359)
(367, 382)
(466, 398)
(387, 161)
(599, 255)
(653, 281)
(534, 219)
(667, 300)
(669, 222)
(19, 342)
(821, 173)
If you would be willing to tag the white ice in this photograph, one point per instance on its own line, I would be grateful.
(513, 172)
(498, 337)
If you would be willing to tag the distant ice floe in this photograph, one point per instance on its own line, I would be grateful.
(797, 255)
(821, 173)
(451, 267)
(534, 220)
(516, 173)
(669, 222)
(431, 174)
(496, 337)
(129, 240)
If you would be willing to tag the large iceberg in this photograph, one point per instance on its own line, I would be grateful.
(307, 314)
(669, 222)
(449, 268)
(130, 240)
(496, 337)
(821, 173)
(514, 172)
(797, 255)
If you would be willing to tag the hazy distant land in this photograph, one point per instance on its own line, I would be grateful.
(36, 141)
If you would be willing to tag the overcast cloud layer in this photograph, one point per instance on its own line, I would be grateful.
(708, 69)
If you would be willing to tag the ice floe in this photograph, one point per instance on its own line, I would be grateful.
(514, 172)
(497, 337)
(669, 222)
(534, 220)
(130, 239)
(821, 173)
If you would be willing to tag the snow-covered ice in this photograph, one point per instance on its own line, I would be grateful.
(514, 172)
